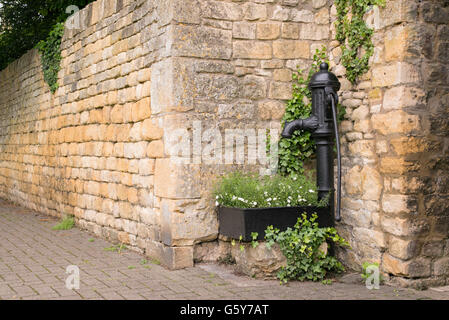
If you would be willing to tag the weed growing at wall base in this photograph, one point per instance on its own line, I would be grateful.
(66, 224)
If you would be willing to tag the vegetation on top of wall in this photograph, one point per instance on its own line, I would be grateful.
(50, 50)
(23, 23)
(355, 36)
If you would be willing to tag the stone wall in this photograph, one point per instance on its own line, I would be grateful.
(395, 202)
(90, 149)
(134, 72)
(141, 78)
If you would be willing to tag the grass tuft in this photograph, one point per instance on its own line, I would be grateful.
(66, 224)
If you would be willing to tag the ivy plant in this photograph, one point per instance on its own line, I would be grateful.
(302, 248)
(354, 35)
(50, 50)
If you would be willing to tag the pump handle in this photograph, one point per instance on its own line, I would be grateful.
(333, 97)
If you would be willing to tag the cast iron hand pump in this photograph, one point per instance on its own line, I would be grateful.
(323, 125)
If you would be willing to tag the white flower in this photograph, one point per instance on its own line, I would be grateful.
(311, 191)
(216, 203)
(216, 197)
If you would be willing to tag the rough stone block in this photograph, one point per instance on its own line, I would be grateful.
(291, 49)
(252, 50)
(202, 42)
(176, 180)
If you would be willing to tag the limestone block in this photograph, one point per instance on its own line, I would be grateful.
(291, 49)
(243, 30)
(415, 268)
(244, 49)
(290, 30)
(259, 262)
(441, 267)
(394, 74)
(280, 90)
(150, 131)
(396, 43)
(187, 227)
(155, 149)
(396, 122)
(253, 11)
(268, 30)
(402, 97)
(313, 31)
(282, 75)
(222, 10)
(404, 145)
(253, 87)
(404, 227)
(170, 257)
(397, 165)
(202, 42)
(402, 249)
(212, 251)
(176, 180)
(322, 16)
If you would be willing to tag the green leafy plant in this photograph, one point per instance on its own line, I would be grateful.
(249, 190)
(66, 224)
(254, 242)
(50, 50)
(302, 247)
(354, 35)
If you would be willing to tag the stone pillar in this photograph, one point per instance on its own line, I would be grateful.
(396, 146)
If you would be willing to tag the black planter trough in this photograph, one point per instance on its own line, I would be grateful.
(238, 222)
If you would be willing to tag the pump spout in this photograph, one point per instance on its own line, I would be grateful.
(310, 124)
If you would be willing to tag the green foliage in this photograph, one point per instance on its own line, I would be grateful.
(254, 242)
(23, 23)
(249, 190)
(354, 35)
(50, 50)
(66, 224)
(302, 248)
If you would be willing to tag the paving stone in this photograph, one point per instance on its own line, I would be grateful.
(40, 274)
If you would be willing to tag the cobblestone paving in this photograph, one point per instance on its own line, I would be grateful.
(34, 258)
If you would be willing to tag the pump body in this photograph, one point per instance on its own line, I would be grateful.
(324, 86)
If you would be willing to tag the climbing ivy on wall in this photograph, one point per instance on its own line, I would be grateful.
(354, 35)
(50, 50)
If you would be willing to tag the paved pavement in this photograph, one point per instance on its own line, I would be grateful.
(34, 259)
